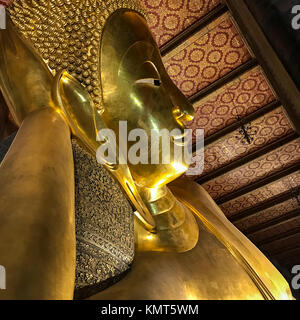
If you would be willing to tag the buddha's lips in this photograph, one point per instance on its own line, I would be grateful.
(6, 3)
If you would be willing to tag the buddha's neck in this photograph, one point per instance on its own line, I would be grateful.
(164, 207)
(176, 228)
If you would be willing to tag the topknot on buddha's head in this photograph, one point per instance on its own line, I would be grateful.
(67, 34)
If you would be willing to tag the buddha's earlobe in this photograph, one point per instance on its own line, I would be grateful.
(76, 106)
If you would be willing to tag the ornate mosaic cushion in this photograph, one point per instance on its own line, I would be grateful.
(104, 226)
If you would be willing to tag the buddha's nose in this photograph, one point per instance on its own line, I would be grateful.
(183, 115)
(183, 110)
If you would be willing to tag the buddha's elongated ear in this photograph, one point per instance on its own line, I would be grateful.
(77, 108)
(25, 80)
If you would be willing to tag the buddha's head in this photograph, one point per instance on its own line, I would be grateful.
(108, 47)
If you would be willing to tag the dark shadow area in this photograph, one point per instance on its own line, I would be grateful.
(275, 18)
(287, 274)
(7, 126)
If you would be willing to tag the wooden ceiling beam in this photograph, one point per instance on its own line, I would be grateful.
(263, 206)
(258, 184)
(283, 250)
(290, 216)
(281, 236)
(236, 125)
(250, 157)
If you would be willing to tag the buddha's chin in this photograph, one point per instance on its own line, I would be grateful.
(151, 176)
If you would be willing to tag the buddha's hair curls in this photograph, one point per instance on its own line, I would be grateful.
(67, 34)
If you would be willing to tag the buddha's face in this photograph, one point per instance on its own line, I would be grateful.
(136, 88)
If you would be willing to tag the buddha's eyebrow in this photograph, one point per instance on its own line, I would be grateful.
(153, 81)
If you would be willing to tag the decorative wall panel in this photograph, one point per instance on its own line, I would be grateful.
(277, 230)
(269, 127)
(260, 195)
(276, 211)
(241, 97)
(253, 171)
(207, 56)
(167, 18)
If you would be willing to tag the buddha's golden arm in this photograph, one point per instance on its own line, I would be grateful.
(37, 230)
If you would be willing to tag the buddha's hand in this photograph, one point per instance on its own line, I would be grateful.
(25, 80)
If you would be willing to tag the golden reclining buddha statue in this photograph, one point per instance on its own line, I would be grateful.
(70, 68)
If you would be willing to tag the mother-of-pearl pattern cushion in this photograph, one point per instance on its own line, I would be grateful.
(104, 226)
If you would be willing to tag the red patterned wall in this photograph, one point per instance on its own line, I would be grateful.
(253, 171)
(240, 97)
(260, 195)
(268, 214)
(167, 18)
(270, 128)
(207, 56)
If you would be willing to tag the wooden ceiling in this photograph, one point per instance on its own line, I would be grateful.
(256, 184)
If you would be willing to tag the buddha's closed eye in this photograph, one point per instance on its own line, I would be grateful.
(151, 81)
